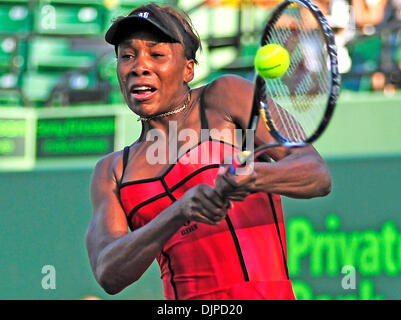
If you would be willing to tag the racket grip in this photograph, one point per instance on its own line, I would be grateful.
(231, 169)
(234, 165)
(238, 161)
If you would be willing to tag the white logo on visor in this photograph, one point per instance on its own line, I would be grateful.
(143, 15)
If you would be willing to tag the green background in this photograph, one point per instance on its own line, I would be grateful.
(45, 213)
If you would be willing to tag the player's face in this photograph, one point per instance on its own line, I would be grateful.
(152, 73)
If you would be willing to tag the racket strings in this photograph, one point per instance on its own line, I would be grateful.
(319, 79)
(286, 124)
(301, 94)
(283, 122)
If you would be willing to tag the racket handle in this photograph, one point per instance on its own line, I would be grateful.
(232, 169)
(238, 161)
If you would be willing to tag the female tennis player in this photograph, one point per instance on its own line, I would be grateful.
(215, 235)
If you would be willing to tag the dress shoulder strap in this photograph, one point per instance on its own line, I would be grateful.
(125, 161)
(202, 107)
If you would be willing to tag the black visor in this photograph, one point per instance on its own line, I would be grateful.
(137, 21)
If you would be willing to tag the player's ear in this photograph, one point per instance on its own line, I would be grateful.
(189, 70)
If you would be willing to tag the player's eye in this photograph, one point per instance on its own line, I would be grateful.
(127, 56)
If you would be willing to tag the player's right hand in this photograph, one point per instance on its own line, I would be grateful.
(235, 187)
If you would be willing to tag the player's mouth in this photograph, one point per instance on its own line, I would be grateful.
(142, 92)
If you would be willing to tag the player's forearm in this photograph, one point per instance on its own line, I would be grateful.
(296, 176)
(124, 260)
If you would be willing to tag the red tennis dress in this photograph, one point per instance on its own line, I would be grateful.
(242, 258)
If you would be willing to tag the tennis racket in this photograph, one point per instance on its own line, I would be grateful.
(297, 107)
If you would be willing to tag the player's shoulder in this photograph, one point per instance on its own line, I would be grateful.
(109, 166)
(229, 94)
(226, 83)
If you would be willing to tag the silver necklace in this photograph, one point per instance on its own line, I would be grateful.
(168, 113)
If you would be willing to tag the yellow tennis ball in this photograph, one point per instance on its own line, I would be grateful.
(272, 61)
(110, 4)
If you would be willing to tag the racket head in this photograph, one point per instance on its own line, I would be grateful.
(297, 107)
